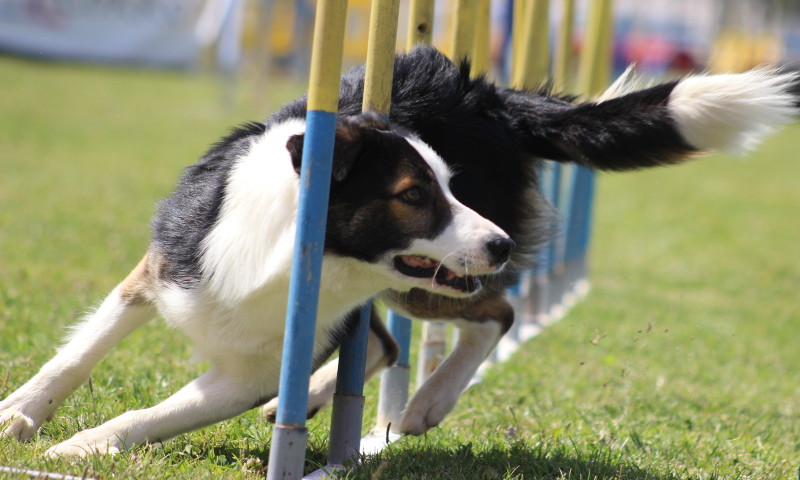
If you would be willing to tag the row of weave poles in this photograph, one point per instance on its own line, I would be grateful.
(543, 294)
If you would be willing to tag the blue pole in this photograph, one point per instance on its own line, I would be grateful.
(556, 287)
(588, 201)
(400, 328)
(354, 352)
(312, 213)
(538, 292)
(287, 452)
(576, 213)
(579, 227)
(586, 229)
(554, 196)
(348, 401)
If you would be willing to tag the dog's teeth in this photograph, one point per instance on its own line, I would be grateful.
(419, 262)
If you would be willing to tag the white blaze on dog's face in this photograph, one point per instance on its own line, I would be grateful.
(468, 246)
(394, 209)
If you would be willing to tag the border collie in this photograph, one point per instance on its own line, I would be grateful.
(435, 211)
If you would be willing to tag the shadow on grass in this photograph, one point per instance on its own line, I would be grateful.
(512, 461)
(517, 460)
(255, 459)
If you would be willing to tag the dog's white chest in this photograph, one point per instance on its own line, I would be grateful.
(255, 325)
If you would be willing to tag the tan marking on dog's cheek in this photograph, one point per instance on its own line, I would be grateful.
(414, 222)
(137, 287)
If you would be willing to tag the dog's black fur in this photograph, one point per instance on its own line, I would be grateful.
(186, 217)
(494, 137)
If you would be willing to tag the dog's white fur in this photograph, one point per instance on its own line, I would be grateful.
(247, 249)
(732, 112)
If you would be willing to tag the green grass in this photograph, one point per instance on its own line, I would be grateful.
(694, 302)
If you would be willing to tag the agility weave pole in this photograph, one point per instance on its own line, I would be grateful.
(470, 41)
(348, 406)
(289, 439)
(530, 57)
(288, 448)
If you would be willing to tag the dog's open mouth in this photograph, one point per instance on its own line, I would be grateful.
(418, 266)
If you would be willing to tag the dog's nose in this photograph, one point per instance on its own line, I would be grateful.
(499, 249)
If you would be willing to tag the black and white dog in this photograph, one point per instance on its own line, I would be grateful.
(434, 211)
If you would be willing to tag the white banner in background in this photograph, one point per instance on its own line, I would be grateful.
(153, 32)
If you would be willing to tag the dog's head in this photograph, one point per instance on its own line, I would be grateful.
(391, 206)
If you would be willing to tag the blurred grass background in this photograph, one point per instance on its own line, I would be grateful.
(681, 363)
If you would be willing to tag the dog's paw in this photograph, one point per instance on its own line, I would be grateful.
(270, 409)
(426, 410)
(22, 414)
(16, 424)
(87, 442)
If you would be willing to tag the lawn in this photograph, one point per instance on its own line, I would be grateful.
(681, 364)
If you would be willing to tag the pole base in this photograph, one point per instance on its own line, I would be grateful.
(288, 452)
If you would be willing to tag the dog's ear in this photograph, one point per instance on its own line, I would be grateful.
(661, 125)
(295, 147)
(352, 137)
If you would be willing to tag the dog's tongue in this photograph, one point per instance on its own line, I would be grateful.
(419, 261)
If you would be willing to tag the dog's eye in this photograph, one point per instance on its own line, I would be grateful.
(413, 196)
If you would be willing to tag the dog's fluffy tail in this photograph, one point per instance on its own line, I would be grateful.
(733, 112)
(667, 123)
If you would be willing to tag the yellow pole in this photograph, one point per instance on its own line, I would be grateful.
(463, 30)
(348, 402)
(377, 98)
(596, 56)
(380, 56)
(326, 56)
(603, 78)
(434, 334)
(517, 24)
(563, 56)
(480, 46)
(531, 64)
(420, 23)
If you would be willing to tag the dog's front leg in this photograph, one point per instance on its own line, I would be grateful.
(439, 394)
(24, 411)
(217, 395)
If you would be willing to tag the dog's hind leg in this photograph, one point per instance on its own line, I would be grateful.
(382, 351)
(481, 327)
(227, 390)
(125, 309)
